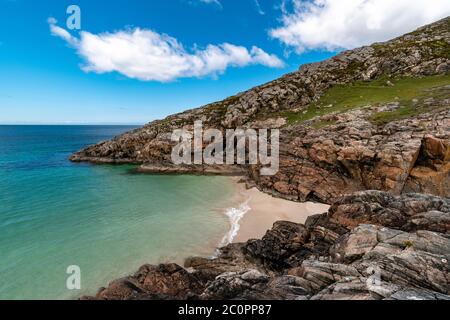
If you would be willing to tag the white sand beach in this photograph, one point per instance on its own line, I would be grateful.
(263, 210)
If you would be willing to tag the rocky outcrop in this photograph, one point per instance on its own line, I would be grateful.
(369, 246)
(432, 170)
(387, 243)
(278, 245)
(350, 153)
(410, 212)
(154, 282)
(353, 153)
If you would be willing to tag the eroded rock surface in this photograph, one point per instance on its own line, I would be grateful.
(351, 153)
(367, 247)
(391, 242)
(355, 154)
(410, 212)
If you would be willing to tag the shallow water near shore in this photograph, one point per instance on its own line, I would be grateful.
(104, 219)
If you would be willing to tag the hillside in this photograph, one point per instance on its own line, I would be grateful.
(377, 117)
(367, 131)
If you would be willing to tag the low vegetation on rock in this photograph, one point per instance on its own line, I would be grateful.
(372, 118)
(361, 120)
(410, 93)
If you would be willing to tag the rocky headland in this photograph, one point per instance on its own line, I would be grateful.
(392, 135)
(367, 132)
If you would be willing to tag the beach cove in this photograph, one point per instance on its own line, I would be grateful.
(106, 219)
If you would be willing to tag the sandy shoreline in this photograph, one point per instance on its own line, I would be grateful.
(259, 211)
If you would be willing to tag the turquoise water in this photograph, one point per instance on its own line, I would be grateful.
(104, 219)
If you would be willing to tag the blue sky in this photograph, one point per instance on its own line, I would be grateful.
(46, 78)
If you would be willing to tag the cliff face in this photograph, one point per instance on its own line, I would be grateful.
(393, 137)
(373, 118)
(369, 246)
(354, 153)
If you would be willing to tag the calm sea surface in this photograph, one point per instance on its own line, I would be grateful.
(104, 219)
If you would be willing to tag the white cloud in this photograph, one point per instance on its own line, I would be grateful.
(149, 56)
(258, 8)
(216, 2)
(60, 32)
(336, 24)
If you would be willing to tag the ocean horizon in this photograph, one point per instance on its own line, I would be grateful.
(229, 158)
(106, 219)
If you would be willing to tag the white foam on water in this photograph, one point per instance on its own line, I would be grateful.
(235, 215)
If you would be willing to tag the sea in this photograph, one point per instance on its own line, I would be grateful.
(103, 220)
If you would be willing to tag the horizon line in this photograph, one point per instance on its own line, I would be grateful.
(71, 124)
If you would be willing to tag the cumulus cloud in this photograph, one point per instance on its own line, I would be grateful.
(346, 24)
(149, 56)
